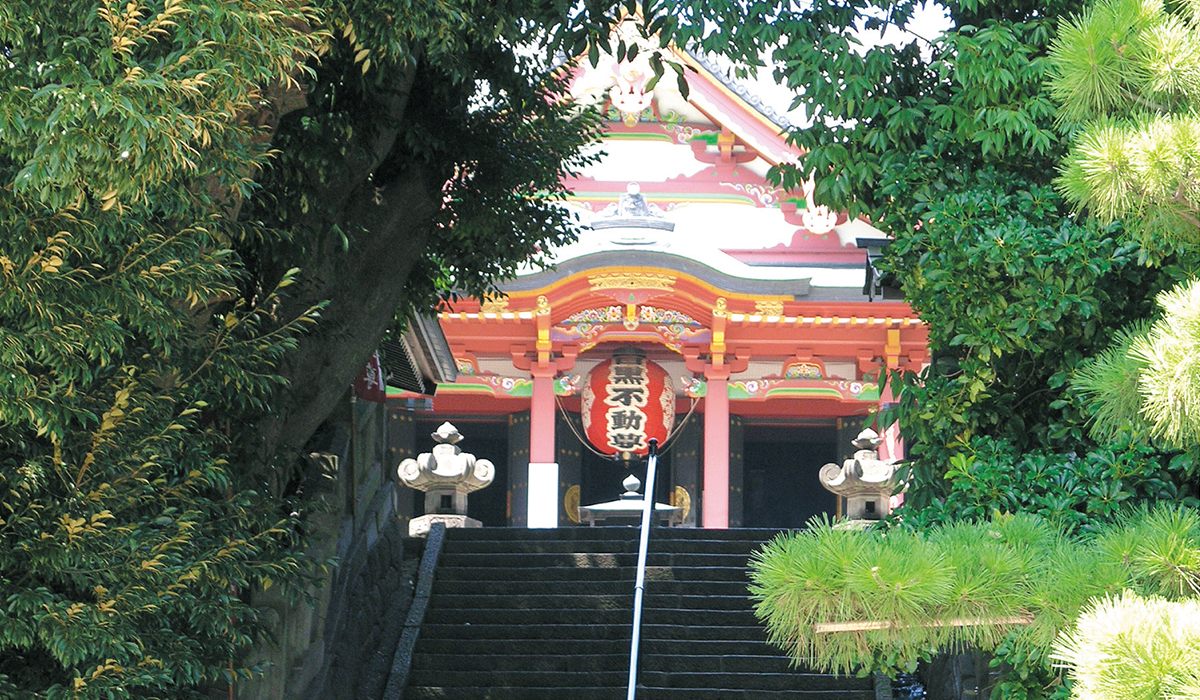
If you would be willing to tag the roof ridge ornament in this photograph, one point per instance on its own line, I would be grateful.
(819, 219)
(632, 211)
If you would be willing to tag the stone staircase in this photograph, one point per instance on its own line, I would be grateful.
(545, 614)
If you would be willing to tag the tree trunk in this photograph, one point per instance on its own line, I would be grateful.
(361, 285)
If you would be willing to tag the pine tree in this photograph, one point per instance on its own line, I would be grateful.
(1127, 75)
(853, 601)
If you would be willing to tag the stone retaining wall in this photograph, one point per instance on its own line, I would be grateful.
(339, 644)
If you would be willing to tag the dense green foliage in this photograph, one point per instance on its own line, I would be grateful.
(896, 127)
(1016, 294)
(490, 126)
(1016, 581)
(1080, 493)
(127, 533)
(952, 145)
(211, 212)
(129, 530)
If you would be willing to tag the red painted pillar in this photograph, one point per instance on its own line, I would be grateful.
(892, 447)
(542, 503)
(893, 444)
(715, 498)
(541, 419)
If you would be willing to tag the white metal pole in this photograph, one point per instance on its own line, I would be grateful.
(640, 582)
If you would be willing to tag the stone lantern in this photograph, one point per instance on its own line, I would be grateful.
(446, 475)
(865, 481)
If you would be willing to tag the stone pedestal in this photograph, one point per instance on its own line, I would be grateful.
(419, 527)
(865, 481)
(628, 508)
(446, 475)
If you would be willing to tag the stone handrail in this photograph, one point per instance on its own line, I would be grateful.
(402, 659)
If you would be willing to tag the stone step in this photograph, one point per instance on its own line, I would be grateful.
(591, 560)
(542, 616)
(704, 693)
(665, 647)
(619, 546)
(567, 615)
(544, 575)
(585, 660)
(533, 601)
(618, 693)
(718, 680)
(685, 601)
(463, 587)
(711, 647)
(467, 674)
(513, 534)
(614, 601)
(723, 663)
(510, 693)
(578, 631)
(510, 633)
(689, 632)
(452, 646)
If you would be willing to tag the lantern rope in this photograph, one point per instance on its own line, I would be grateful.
(669, 442)
(582, 440)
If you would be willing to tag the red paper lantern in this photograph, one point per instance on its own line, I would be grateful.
(626, 401)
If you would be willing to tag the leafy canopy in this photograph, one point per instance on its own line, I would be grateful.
(130, 530)
(180, 182)
(953, 145)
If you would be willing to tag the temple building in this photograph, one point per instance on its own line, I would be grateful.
(761, 309)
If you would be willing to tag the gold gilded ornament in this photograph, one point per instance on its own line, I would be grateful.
(682, 500)
(571, 503)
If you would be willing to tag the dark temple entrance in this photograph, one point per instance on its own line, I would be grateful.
(781, 466)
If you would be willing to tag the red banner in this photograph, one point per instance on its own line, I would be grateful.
(370, 384)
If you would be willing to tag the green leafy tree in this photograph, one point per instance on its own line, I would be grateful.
(211, 213)
(1127, 75)
(130, 528)
(951, 144)
(1016, 294)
